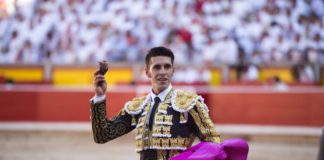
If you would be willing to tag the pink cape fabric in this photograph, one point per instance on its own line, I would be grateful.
(231, 149)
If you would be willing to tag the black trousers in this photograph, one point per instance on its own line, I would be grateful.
(151, 154)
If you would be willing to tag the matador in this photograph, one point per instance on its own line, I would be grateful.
(166, 120)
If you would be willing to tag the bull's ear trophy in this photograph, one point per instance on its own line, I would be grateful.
(103, 67)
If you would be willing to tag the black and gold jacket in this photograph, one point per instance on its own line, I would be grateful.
(180, 118)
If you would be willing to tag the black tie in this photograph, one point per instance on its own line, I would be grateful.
(156, 104)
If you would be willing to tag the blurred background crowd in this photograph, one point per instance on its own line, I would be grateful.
(259, 64)
(240, 33)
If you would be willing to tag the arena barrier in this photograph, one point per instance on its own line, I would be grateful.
(228, 105)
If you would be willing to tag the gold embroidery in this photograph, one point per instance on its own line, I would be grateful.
(205, 125)
(147, 106)
(178, 143)
(160, 137)
(156, 129)
(165, 142)
(161, 130)
(184, 101)
(139, 144)
(168, 118)
(141, 121)
(166, 130)
(182, 118)
(202, 108)
(174, 142)
(156, 142)
(140, 131)
(133, 121)
(159, 118)
(163, 119)
(168, 97)
(197, 119)
(122, 112)
(163, 107)
(104, 129)
(135, 105)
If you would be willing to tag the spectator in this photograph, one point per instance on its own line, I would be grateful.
(304, 73)
(250, 73)
(278, 84)
(199, 28)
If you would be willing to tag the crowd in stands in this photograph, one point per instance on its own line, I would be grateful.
(209, 32)
(217, 31)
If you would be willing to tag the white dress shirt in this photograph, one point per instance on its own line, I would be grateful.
(162, 97)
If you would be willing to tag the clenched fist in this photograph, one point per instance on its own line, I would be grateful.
(99, 82)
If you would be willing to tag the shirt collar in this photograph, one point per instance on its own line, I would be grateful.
(162, 95)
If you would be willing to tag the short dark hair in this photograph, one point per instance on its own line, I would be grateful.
(158, 51)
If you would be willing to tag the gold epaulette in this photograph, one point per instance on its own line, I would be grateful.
(183, 101)
(137, 105)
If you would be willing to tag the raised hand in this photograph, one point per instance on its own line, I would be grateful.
(99, 82)
(103, 68)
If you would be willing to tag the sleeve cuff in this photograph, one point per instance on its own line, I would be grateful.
(97, 99)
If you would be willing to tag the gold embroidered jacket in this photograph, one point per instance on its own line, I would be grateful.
(180, 118)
